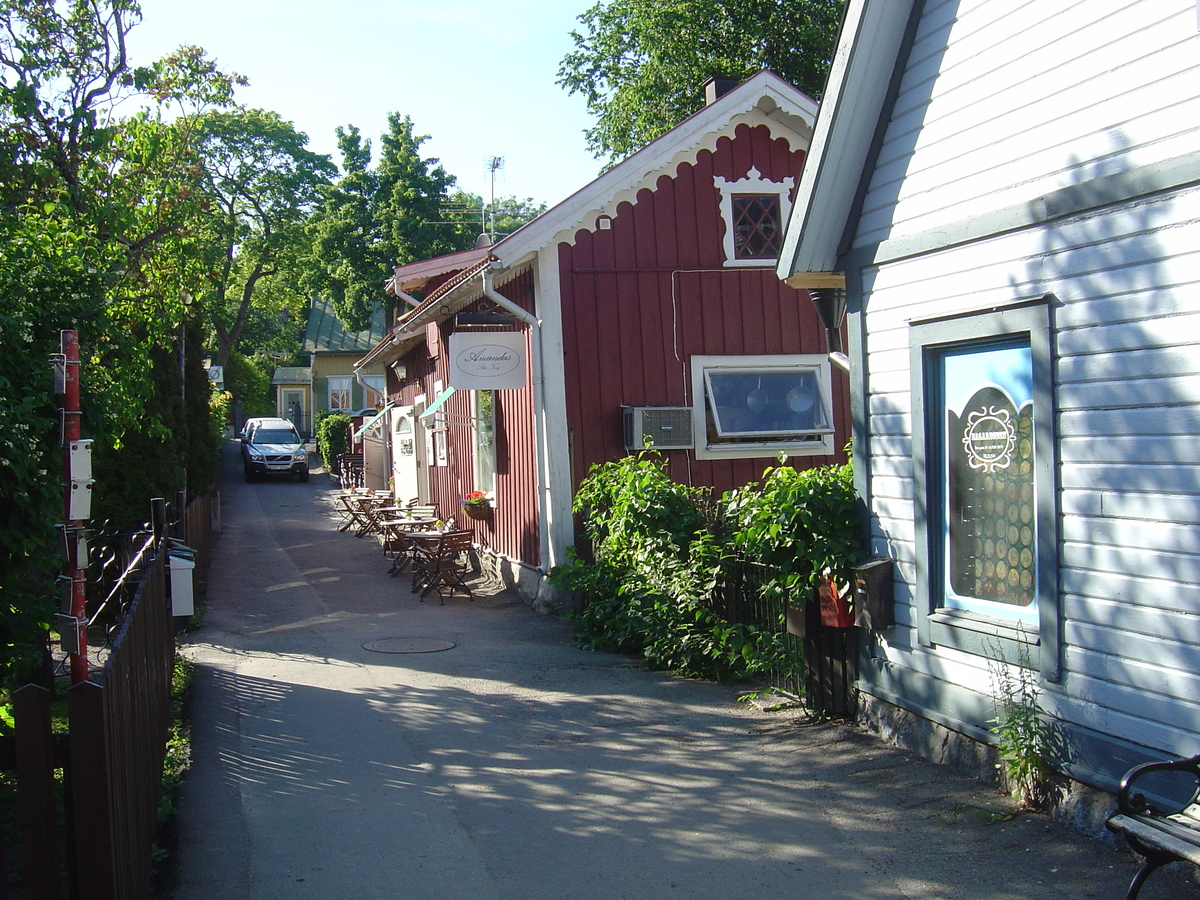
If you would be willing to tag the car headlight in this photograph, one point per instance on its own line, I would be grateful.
(256, 454)
(300, 456)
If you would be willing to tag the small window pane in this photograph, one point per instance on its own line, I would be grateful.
(339, 392)
(766, 403)
(756, 230)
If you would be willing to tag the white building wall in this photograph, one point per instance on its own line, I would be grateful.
(1127, 393)
(1005, 101)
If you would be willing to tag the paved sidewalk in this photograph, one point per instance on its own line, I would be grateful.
(353, 742)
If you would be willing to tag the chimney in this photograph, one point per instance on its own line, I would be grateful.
(717, 86)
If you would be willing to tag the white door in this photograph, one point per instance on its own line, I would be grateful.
(408, 456)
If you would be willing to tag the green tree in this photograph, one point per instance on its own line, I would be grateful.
(641, 64)
(349, 259)
(373, 219)
(88, 202)
(260, 182)
(473, 215)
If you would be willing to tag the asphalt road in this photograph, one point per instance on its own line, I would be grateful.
(351, 741)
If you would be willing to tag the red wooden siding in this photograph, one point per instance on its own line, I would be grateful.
(512, 529)
(644, 297)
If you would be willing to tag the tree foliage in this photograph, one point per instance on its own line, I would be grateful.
(660, 550)
(260, 182)
(497, 218)
(93, 214)
(641, 64)
(374, 219)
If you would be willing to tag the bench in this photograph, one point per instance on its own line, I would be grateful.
(1160, 817)
(350, 470)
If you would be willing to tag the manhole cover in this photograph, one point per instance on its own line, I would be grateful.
(409, 645)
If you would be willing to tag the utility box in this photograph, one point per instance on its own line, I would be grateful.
(79, 506)
(874, 603)
(181, 561)
(80, 455)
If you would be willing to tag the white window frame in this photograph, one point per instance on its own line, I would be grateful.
(336, 384)
(439, 434)
(378, 385)
(753, 183)
(711, 443)
(484, 449)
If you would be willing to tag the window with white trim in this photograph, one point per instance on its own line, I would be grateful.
(484, 434)
(339, 391)
(759, 406)
(753, 210)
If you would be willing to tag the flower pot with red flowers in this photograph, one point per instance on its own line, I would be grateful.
(476, 505)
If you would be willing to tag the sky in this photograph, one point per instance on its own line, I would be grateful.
(476, 76)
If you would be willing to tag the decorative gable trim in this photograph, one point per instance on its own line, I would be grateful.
(764, 99)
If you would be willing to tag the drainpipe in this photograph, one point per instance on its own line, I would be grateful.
(535, 343)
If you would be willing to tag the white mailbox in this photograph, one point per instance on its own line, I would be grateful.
(80, 506)
(81, 459)
(182, 595)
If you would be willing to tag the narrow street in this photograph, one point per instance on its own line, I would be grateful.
(351, 741)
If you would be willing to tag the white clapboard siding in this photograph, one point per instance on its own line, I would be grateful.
(1127, 395)
(1029, 98)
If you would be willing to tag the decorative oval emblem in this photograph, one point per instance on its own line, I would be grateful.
(488, 360)
(989, 439)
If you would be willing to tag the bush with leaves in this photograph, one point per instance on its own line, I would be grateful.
(800, 524)
(333, 437)
(660, 551)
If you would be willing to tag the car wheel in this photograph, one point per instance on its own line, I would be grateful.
(302, 476)
(249, 476)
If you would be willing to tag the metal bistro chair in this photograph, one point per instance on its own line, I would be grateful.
(443, 566)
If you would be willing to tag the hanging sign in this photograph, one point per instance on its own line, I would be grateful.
(484, 361)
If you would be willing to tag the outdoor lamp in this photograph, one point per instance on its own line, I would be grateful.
(831, 307)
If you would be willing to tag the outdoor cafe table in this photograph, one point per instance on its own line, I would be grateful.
(357, 506)
(405, 535)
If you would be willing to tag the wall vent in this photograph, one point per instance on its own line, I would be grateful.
(664, 427)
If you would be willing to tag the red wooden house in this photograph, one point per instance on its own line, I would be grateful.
(644, 308)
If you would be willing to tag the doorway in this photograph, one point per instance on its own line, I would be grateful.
(408, 456)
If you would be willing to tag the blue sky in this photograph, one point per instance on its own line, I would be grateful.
(477, 76)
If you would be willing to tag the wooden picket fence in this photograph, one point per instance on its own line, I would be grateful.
(99, 847)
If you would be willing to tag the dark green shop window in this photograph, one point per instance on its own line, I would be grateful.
(983, 454)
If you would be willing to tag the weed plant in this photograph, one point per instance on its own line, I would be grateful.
(1025, 737)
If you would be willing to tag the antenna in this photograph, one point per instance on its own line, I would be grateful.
(495, 167)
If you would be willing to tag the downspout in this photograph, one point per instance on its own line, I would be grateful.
(535, 343)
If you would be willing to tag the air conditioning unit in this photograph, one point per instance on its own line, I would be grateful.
(663, 427)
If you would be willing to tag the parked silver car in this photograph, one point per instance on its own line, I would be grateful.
(272, 447)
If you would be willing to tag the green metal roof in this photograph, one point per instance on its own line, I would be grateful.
(326, 334)
(292, 375)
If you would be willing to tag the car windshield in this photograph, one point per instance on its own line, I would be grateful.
(275, 436)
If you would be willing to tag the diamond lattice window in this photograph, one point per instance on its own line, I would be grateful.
(756, 226)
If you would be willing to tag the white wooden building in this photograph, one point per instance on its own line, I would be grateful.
(1012, 194)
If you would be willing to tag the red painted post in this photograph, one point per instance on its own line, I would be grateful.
(70, 349)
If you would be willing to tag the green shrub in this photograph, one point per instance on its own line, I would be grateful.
(333, 437)
(659, 551)
(800, 524)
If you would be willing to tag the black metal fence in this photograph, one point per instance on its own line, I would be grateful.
(822, 660)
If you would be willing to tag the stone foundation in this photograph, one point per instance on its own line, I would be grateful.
(1079, 805)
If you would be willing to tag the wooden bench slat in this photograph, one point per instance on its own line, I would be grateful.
(1165, 834)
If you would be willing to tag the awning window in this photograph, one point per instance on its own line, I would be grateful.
(372, 421)
(437, 404)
